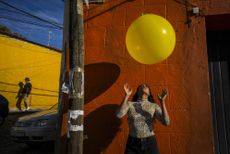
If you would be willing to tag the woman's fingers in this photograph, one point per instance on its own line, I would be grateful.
(130, 90)
(126, 86)
(127, 89)
(164, 92)
(159, 96)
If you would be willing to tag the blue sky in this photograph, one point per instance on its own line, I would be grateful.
(32, 28)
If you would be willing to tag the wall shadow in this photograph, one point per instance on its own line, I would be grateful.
(98, 78)
(101, 126)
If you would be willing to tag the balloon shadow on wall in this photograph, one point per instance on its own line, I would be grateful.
(98, 78)
(101, 126)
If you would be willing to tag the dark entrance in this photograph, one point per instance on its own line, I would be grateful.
(218, 44)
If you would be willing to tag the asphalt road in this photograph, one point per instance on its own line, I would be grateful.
(7, 146)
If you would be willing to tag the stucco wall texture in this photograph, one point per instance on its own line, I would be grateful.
(184, 74)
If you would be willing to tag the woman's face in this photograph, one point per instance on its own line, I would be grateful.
(146, 89)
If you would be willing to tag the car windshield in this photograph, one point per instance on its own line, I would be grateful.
(54, 107)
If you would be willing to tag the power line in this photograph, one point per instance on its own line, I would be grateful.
(33, 16)
(28, 22)
(11, 11)
(23, 21)
(27, 13)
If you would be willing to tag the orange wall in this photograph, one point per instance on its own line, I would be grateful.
(214, 7)
(184, 74)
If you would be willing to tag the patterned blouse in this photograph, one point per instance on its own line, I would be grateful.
(141, 116)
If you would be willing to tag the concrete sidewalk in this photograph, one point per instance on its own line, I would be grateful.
(16, 111)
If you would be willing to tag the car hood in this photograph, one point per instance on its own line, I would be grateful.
(39, 115)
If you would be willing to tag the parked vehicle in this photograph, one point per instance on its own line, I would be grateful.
(37, 127)
(4, 109)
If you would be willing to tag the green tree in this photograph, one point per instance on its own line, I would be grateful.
(6, 30)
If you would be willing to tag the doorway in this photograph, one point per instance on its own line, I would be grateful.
(218, 45)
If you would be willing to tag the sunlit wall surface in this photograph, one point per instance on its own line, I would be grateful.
(20, 59)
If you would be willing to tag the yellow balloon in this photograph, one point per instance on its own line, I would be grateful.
(150, 39)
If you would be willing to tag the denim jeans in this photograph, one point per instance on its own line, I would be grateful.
(141, 146)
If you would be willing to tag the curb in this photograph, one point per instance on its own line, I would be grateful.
(15, 111)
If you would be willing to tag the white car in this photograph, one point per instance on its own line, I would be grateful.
(37, 127)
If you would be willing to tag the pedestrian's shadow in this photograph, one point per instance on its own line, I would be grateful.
(101, 126)
(19, 96)
(20, 85)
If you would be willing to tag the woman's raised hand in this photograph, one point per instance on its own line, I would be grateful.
(163, 95)
(127, 89)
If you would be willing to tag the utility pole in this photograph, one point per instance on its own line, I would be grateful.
(71, 98)
(76, 97)
(63, 101)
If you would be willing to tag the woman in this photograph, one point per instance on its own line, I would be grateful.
(142, 112)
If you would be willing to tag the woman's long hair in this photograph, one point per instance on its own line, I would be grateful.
(139, 93)
(138, 97)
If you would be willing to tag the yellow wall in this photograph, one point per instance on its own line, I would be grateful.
(20, 59)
